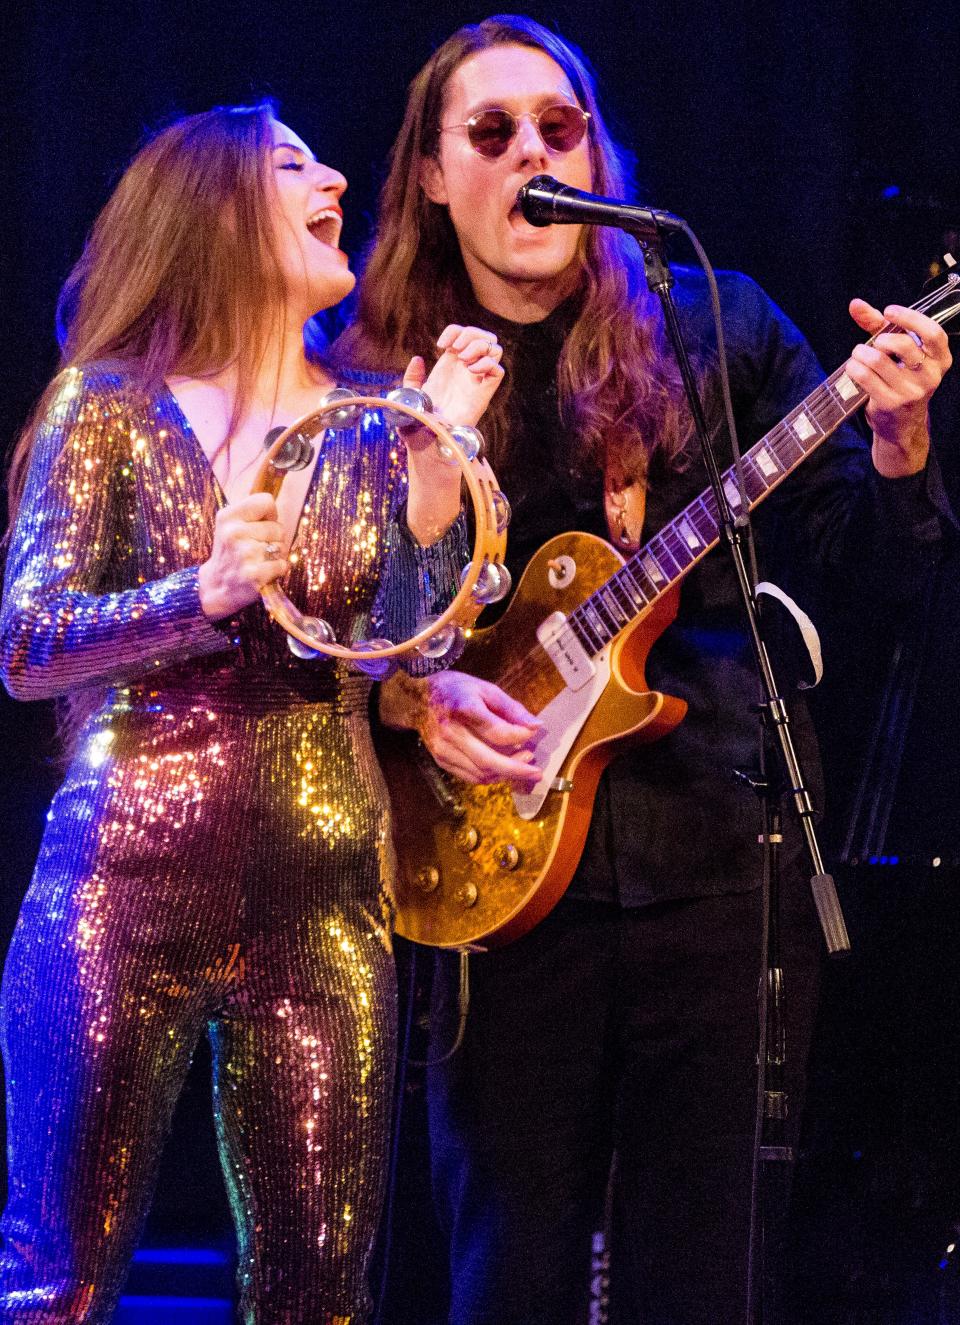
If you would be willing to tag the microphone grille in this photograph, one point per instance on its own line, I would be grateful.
(535, 199)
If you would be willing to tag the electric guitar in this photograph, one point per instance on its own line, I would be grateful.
(481, 865)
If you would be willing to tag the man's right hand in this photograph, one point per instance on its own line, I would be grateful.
(471, 727)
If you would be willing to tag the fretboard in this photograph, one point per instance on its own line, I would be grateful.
(677, 548)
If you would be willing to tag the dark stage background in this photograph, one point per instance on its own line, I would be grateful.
(813, 146)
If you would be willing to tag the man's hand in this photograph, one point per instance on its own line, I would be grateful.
(899, 372)
(471, 727)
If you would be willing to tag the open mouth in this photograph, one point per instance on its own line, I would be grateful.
(325, 226)
(517, 220)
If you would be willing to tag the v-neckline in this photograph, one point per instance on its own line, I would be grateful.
(220, 496)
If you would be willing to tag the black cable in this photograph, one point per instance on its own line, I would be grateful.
(463, 1008)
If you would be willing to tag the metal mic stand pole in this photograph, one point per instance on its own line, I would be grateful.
(774, 1155)
(660, 280)
(773, 1147)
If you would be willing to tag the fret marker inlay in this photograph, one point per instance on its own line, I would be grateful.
(689, 535)
(803, 427)
(652, 568)
(766, 464)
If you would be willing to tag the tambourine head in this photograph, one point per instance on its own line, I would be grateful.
(493, 583)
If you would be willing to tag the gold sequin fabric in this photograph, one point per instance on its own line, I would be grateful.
(216, 860)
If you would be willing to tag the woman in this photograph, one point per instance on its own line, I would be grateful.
(218, 855)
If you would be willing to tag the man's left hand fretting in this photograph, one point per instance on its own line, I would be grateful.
(899, 371)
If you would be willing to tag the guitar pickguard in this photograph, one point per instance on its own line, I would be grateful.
(563, 718)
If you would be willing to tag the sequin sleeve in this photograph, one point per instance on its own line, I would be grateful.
(59, 629)
(419, 582)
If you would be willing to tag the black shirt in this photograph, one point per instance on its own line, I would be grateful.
(670, 819)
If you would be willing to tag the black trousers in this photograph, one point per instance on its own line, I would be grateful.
(609, 1030)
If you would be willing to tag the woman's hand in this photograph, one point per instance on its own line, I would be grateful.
(248, 546)
(460, 386)
(899, 372)
(464, 378)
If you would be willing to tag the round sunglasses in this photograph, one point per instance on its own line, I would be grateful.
(491, 132)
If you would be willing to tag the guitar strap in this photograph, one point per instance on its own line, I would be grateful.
(808, 631)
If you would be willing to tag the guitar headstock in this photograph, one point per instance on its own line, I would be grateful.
(943, 303)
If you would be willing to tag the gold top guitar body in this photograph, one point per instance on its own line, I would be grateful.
(482, 864)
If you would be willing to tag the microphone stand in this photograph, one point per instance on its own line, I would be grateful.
(772, 1149)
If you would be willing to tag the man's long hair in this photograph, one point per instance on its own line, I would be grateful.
(180, 273)
(618, 391)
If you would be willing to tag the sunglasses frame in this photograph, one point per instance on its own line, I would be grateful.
(515, 119)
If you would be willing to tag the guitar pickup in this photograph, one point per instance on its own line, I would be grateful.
(565, 651)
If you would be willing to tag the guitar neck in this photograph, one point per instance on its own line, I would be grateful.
(679, 546)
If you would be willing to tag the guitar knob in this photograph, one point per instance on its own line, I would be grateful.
(561, 571)
(468, 839)
(507, 857)
(466, 894)
(428, 878)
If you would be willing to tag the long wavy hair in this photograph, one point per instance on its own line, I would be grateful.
(180, 273)
(618, 390)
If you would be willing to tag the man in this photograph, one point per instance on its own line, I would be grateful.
(627, 1019)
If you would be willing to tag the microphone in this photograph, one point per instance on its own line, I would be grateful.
(543, 200)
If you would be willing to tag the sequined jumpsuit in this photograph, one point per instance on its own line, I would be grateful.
(216, 859)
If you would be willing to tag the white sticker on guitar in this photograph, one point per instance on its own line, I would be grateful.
(565, 651)
(563, 718)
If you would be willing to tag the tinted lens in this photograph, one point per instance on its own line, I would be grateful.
(491, 132)
(561, 127)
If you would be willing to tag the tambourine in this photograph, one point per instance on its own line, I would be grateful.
(485, 579)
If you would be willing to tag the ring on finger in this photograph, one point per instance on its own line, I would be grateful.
(271, 550)
(918, 341)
